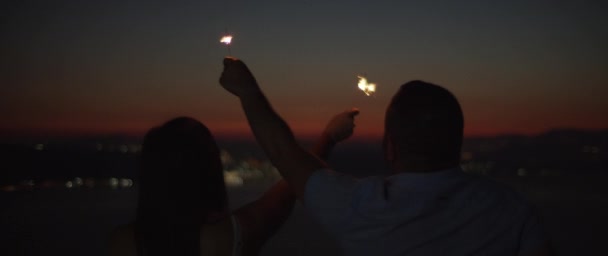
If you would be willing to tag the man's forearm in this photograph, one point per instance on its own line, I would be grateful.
(270, 130)
(276, 139)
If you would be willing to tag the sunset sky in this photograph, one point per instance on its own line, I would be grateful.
(99, 67)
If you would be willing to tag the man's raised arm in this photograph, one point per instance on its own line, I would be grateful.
(272, 133)
(339, 128)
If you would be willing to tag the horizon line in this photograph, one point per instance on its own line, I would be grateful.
(248, 136)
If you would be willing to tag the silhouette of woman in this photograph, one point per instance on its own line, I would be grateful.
(182, 207)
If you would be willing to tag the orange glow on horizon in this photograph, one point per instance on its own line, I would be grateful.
(241, 130)
(305, 124)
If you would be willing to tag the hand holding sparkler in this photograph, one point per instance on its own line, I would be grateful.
(341, 126)
(237, 79)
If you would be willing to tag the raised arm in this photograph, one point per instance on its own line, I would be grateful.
(272, 133)
(340, 128)
(262, 218)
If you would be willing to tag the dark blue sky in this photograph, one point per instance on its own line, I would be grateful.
(124, 66)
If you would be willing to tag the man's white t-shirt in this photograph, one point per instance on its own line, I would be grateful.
(441, 213)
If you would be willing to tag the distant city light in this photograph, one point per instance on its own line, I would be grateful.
(587, 149)
(126, 183)
(225, 157)
(233, 179)
(134, 148)
(239, 171)
(521, 172)
(78, 181)
(8, 188)
(113, 182)
(29, 183)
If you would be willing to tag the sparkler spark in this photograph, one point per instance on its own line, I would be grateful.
(367, 88)
(226, 40)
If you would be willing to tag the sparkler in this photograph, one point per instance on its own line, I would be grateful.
(367, 88)
(227, 40)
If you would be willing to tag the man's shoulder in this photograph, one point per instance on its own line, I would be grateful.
(328, 178)
(327, 184)
(494, 189)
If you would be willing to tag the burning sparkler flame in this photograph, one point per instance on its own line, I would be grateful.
(367, 88)
(226, 40)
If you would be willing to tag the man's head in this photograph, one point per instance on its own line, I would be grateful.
(423, 128)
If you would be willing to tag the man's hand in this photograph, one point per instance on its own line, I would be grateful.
(341, 126)
(237, 78)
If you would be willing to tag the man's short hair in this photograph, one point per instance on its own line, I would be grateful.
(425, 120)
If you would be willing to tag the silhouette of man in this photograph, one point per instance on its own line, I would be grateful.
(428, 206)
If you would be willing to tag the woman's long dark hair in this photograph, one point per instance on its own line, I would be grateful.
(180, 183)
